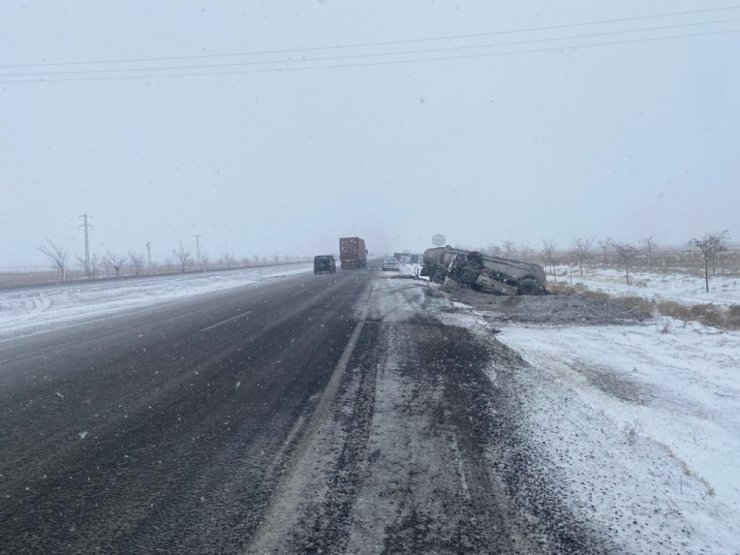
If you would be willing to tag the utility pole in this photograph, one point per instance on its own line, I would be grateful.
(148, 254)
(197, 250)
(86, 225)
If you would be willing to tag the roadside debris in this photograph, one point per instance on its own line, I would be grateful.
(488, 274)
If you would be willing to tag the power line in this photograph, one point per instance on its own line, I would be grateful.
(382, 43)
(372, 55)
(378, 63)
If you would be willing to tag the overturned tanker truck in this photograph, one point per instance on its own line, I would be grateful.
(489, 274)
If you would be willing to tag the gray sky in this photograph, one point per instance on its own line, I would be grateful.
(625, 140)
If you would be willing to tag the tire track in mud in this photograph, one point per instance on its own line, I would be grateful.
(461, 509)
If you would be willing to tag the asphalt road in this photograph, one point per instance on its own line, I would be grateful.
(310, 414)
(159, 430)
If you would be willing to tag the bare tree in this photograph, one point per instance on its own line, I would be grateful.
(90, 268)
(509, 248)
(137, 261)
(581, 251)
(605, 245)
(526, 252)
(116, 261)
(626, 254)
(650, 246)
(106, 264)
(183, 257)
(228, 260)
(548, 251)
(492, 250)
(57, 255)
(276, 257)
(710, 246)
(94, 265)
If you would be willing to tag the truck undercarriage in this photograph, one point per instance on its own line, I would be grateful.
(488, 274)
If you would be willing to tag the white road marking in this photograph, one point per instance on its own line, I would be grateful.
(322, 410)
(226, 321)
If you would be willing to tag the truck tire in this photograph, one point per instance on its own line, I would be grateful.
(475, 259)
(529, 286)
(467, 275)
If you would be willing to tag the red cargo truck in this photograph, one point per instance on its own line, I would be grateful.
(352, 252)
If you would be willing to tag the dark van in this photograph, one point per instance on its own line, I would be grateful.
(324, 263)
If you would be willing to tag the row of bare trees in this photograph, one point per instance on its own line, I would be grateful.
(110, 263)
(612, 252)
(708, 247)
(114, 264)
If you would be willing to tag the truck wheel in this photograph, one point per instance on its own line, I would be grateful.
(467, 275)
(475, 259)
(529, 286)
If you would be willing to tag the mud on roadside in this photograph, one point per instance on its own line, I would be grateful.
(555, 308)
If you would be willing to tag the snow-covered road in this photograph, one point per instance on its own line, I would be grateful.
(27, 310)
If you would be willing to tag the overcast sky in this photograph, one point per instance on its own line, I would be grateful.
(536, 142)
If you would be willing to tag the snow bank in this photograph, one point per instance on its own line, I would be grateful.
(24, 311)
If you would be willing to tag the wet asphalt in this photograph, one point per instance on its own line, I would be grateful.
(185, 427)
(158, 430)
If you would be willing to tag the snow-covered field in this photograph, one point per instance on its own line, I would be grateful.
(24, 311)
(682, 288)
(640, 424)
(645, 425)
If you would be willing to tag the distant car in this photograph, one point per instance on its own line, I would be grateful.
(390, 264)
(324, 263)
